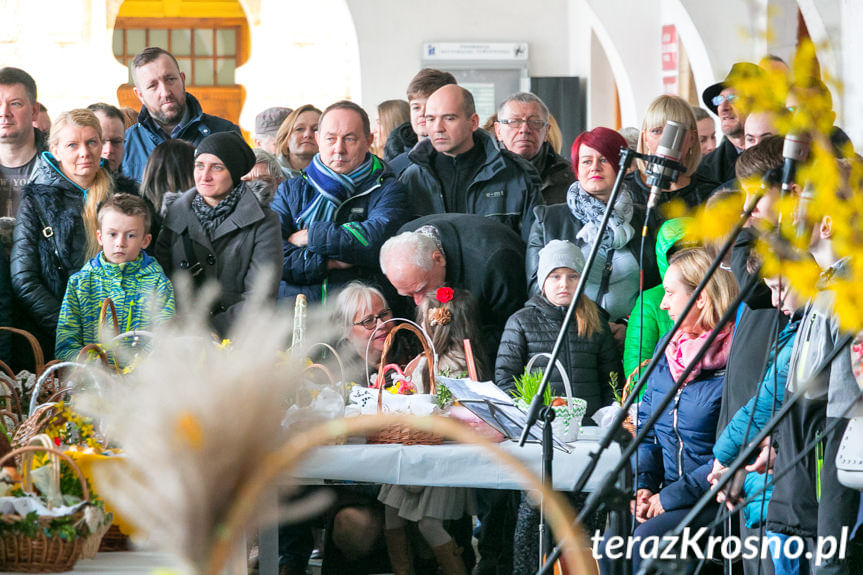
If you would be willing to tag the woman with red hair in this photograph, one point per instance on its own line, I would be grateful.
(613, 279)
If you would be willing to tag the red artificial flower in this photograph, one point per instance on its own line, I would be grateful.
(57, 441)
(444, 294)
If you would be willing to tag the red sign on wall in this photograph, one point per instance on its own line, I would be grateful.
(669, 48)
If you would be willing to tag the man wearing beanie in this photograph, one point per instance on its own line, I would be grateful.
(218, 230)
(338, 213)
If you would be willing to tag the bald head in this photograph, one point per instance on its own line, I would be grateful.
(758, 126)
(451, 120)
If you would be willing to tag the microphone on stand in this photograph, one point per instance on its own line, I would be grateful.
(664, 166)
(795, 150)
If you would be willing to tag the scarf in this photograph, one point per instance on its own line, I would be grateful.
(212, 217)
(589, 210)
(333, 189)
(682, 349)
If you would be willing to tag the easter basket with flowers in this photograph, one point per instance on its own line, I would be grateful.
(45, 529)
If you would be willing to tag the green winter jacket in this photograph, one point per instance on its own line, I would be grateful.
(136, 288)
(655, 322)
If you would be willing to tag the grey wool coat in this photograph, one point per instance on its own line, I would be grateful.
(245, 253)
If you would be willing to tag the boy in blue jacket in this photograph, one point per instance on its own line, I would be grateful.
(761, 407)
(141, 292)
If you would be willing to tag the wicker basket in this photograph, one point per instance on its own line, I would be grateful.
(33, 425)
(38, 368)
(40, 553)
(628, 424)
(398, 433)
(114, 540)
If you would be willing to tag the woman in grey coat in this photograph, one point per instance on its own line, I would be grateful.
(219, 231)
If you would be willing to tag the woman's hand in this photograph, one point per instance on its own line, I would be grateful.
(654, 507)
(638, 506)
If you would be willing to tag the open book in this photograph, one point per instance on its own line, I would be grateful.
(491, 404)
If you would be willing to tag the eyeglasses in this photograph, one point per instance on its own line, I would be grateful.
(518, 122)
(720, 98)
(370, 321)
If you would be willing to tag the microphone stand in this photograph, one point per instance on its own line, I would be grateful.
(537, 411)
(616, 432)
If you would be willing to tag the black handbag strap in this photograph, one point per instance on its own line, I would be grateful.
(192, 264)
(48, 234)
(606, 276)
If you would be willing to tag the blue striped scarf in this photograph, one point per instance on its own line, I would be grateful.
(334, 189)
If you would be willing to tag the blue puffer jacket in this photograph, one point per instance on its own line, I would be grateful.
(677, 454)
(143, 137)
(771, 391)
(359, 228)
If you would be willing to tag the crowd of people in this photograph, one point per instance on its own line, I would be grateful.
(375, 222)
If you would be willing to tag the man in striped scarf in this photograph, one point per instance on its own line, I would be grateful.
(338, 212)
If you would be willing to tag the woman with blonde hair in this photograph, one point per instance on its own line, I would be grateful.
(295, 140)
(391, 114)
(55, 231)
(689, 187)
(677, 455)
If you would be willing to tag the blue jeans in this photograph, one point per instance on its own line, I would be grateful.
(782, 564)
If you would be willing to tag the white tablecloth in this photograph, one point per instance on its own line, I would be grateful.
(453, 465)
(125, 563)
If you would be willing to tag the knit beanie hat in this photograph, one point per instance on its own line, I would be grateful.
(558, 254)
(234, 152)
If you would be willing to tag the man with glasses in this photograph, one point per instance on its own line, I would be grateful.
(718, 165)
(114, 144)
(459, 169)
(522, 128)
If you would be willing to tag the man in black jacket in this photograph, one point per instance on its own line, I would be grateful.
(461, 251)
(482, 256)
(719, 98)
(459, 169)
(522, 128)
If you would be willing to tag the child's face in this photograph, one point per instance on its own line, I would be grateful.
(783, 296)
(559, 286)
(764, 210)
(122, 237)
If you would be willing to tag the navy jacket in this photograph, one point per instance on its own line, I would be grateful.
(677, 469)
(360, 227)
(143, 137)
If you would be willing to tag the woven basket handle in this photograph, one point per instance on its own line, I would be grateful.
(38, 356)
(333, 351)
(94, 347)
(630, 380)
(427, 351)
(566, 385)
(31, 448)
(319, 367)
(103, 313)
(13, 401)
